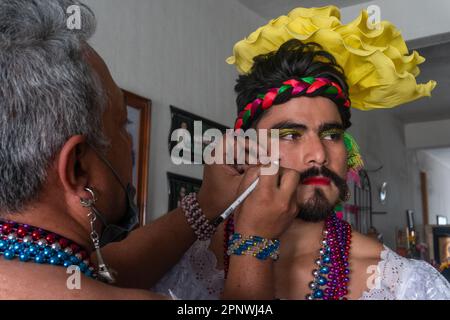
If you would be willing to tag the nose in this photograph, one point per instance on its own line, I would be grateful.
(314, 152)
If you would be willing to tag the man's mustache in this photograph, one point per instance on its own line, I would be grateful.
(340, 183)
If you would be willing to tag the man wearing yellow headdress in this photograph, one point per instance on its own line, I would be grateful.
(301, 74)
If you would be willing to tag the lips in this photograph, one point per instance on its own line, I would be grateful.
(321, 181)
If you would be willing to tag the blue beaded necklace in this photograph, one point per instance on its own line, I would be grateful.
(32, 244)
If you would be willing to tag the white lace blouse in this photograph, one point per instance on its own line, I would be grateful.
(195, 277)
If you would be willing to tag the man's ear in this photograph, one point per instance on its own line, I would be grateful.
(71, 165)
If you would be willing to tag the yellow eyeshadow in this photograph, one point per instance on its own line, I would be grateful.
(332, 131)
(286, 132)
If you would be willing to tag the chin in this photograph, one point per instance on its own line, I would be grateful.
(307, 194)
(316, 205)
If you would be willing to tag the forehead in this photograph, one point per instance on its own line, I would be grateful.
(311, 112)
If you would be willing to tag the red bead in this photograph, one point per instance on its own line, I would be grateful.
(22, 232)
(50, 238)
(83, 254)
(36, 235)
(7, 228)
(63, 243)
(75, 248)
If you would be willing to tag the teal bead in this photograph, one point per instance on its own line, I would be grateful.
(67, 263)
(74, 260)
(40, 258)
(83, 267)
(322, 281)
(33, 250)
(54, 261)
(3, 245)
(48, 252)
(318, 294)
(17, 247)
(24, 257)
(61, 255)
(324, 270)
(8, 255)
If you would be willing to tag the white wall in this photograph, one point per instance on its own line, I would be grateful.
(416, 18)
(438, 184)
(381, 138)
(172, 52)
(431, 134)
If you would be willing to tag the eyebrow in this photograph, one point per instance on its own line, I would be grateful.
(289, 125)
(331, 126)
(299, 126)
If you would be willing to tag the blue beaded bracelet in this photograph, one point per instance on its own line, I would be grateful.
(255, 246)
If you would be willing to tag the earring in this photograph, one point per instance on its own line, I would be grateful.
(104, 273)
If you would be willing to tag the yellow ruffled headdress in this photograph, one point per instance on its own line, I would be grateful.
(379, 69)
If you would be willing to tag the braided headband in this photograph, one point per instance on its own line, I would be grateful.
(308, 86)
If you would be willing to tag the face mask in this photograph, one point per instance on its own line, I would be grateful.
(117, 232)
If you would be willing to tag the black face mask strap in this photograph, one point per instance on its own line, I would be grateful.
(109, 165)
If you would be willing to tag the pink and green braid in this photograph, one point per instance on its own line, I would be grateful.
(308, 86)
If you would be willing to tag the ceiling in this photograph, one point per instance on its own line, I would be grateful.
(273, 8)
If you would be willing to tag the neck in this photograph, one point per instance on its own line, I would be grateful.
(303, 237)
(55, 221)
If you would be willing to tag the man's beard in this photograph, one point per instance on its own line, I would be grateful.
(318, 207)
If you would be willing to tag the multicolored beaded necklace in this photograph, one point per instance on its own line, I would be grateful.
(331, 277)
(37, 245)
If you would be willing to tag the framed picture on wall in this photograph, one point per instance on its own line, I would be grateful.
(180, 186)
(139, 113)
(442, 221)
(441, 244)
(181, 119)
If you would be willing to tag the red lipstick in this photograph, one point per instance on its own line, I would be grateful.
(322, 181)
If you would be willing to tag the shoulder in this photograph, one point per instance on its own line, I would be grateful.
(365, 251)
(29, 281)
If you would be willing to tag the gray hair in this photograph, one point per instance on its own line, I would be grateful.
(48, 93)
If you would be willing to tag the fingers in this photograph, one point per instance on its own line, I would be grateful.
(289, 182)
(251, 174)
(270, 181)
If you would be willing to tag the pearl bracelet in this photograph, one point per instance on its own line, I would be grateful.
(203, 229)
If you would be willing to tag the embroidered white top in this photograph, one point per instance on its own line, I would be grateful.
(195, 277)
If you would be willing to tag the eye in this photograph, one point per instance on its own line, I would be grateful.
(332, 135)
(290, 134)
